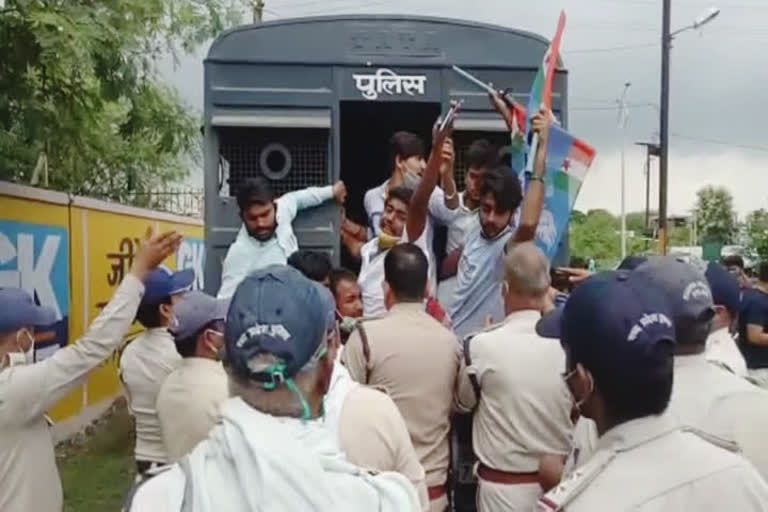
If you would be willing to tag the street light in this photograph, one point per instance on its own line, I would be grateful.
(623, 116)
(666, 43)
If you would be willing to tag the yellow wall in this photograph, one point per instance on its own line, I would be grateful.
(100, 239)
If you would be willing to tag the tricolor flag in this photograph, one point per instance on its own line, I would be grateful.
(568, 160)
(541, 91)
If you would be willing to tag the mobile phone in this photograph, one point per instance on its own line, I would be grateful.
(450, 116)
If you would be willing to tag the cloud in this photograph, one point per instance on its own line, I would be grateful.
(742, 173)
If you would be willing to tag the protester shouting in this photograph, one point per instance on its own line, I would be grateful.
(478, 296)
(29, 479)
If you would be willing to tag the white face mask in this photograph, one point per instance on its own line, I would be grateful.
(23, 357)
(411, 180)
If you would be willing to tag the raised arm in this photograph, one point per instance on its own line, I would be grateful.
(41, 385)
(419, 207)
(447, 176)
(533, 202)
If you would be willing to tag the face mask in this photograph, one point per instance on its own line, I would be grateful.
(578, 403)
(23, 357)
(387, 241)
(411, 180)
(212, 347)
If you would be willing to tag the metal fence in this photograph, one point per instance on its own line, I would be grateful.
(187, 201)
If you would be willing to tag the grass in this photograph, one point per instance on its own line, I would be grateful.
(97, 469)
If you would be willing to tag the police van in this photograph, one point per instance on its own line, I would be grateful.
(308, 101)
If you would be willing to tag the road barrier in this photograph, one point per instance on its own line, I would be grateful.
(71, 253)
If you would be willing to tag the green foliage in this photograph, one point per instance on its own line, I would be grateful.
(79, 91)
(596, 236)
(756, 230)
(715, 214)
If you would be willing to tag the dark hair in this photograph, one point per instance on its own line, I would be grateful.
(401, 194)
(762, 271)
(187, 347)
(632, 390)
(148, 315)
(315, 265)
(404, 145)
(734, 260)
(254, 191)
(504, 186)
(481, 154)
(341, 274)
(405, 270)
(578, 262)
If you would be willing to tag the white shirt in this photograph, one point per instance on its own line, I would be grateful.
(254, 462)
(248, 254)
(29, 479)
(722, 404)
(188, 404)
(524, 409)
(651, 465)
(722, 349)
(145, 364)
(371, 277)
(460, 226)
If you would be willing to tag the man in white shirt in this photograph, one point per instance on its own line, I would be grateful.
(149, 359)
(29, 479)
(272, 450)
(189, 399)
(266, 236)
(511, 378)
(406, 154)
(404, 219)
(721, 347)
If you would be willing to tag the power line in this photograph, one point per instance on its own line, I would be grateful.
(720, 142)
(612, 49)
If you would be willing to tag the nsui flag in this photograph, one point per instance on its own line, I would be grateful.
(568, 160)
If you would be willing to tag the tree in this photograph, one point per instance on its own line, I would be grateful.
(80, 99)
(715, 215)
(596, 237)
(756, 228)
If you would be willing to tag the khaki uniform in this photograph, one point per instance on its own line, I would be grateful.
(188, 404)
(373, 434)
(524, 406)
(29, 478)
(652, 465)
(720, 403)
(415, 359)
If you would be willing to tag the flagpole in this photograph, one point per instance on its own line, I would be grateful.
(623, 125)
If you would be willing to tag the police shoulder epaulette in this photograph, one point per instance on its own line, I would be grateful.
(721, 442)
(573, 484)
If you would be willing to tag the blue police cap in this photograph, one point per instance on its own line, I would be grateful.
(610, 321)
(194, 311)
(17, 310)
(276, 311)
(161, 283)
(724, 286)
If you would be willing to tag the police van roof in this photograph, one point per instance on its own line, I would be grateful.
(380, 40)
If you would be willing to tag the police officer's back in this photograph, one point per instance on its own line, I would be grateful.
(619, 342)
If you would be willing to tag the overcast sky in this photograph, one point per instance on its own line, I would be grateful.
(719, 98)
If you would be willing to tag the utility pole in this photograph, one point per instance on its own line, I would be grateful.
(651, 149)
(258, 10)
(623, 115)
(666, 42)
